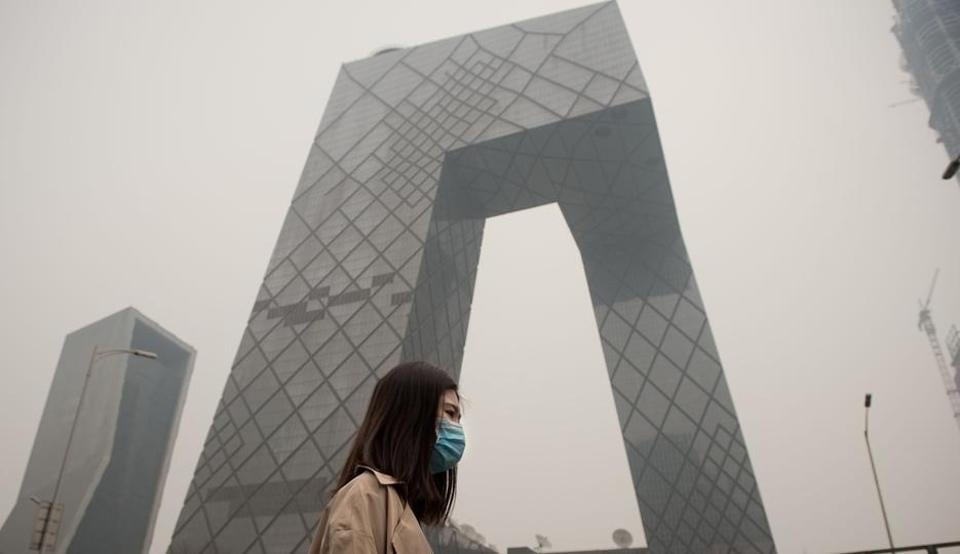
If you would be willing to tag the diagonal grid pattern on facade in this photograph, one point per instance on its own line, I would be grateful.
(376, 263)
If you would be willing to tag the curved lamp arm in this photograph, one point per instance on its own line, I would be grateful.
(97, 355)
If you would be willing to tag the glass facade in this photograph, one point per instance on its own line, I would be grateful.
(114, 473)
(377, 259)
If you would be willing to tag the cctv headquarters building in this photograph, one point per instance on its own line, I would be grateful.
(377, 259)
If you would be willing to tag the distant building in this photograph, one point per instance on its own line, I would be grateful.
(929, 33)
(457, 539)
(125, 429)
(953, 346)
(956, 375)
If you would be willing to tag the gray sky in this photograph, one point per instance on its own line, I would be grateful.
(148, 153)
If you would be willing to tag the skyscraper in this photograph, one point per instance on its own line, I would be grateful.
(112, 477)
(377, 259)
(929, 33)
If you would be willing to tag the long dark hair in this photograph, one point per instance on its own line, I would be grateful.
(397, 437)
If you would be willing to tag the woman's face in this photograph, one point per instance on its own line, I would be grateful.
(449, 407)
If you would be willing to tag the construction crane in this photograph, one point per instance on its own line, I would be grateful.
(926, 324)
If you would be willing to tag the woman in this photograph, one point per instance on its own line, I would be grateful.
(401, 470)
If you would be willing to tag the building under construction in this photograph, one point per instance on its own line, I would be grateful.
(951, 380)
(929, 33)
(953, 345)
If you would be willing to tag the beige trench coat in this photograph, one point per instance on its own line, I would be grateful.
(367, 516)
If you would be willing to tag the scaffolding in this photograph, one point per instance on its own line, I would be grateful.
(949, 381)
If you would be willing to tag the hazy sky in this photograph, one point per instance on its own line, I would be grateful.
(149, 150)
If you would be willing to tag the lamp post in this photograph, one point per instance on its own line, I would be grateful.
(97, 355)
(873, 466)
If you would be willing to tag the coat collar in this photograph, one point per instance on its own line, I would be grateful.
(382, 478)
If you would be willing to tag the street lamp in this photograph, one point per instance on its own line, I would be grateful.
(53, 507)
(866, 435)
(951, 169)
